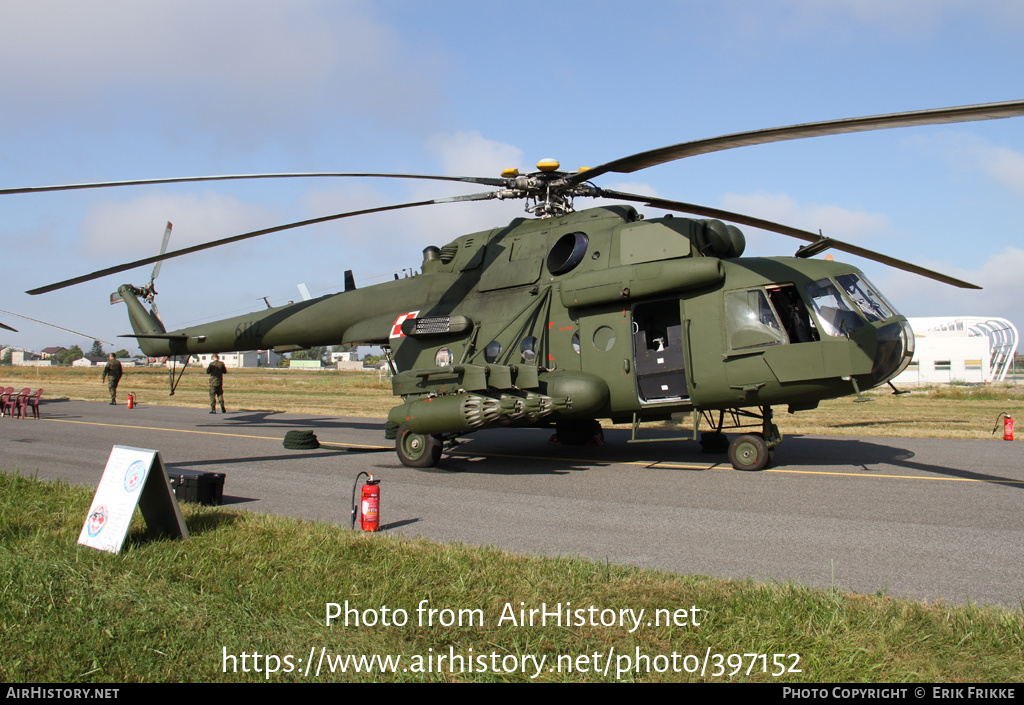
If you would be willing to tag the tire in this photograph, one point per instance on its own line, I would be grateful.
(417, 450)
(749, 453)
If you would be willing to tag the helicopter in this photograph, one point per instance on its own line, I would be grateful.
(569, 317)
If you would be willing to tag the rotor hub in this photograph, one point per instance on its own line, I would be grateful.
(548, 192)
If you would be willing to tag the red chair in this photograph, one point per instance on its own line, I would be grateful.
(13, 400)
(5, 399)
(19, 404)
(30, 402)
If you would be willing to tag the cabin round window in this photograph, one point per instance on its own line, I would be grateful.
(492, 351)
(528, 349)
(567, 252)
(604, 338)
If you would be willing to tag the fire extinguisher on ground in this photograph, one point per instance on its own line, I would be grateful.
(131, 400)
(1007, 426)
(369, 503)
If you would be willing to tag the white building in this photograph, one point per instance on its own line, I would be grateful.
(247, 358)
(965, 349)
(21, 358)
(89, 361)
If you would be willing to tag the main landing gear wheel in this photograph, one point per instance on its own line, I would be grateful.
(750, 452)
(417, 450)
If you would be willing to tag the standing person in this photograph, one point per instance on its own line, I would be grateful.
(216, 370)
(112, 375)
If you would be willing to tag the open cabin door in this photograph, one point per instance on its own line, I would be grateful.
(658, 351)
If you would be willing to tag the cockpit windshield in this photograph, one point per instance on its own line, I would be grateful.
(838, 313)
(836, 316)
(866, 297)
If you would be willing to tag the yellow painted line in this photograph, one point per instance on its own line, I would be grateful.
(658, 464)
(897, 477)
(202, 433)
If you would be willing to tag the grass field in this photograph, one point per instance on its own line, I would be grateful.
(950, 412)
(247, 583)
(171, 611)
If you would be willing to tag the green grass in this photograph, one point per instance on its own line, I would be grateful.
(166, 610)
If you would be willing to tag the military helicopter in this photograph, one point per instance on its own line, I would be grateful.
(569, 317)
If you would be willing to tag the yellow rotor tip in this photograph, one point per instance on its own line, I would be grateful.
(510, 173)
(548, 164)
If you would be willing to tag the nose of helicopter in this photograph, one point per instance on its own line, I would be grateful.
(894, 351)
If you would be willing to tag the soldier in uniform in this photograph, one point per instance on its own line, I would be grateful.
(217, 370)
(112, 375)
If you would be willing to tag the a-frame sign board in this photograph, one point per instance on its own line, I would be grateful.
(134, 477)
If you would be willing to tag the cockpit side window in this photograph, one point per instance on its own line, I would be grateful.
(750, 320)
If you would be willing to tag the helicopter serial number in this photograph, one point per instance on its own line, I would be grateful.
(248, 329)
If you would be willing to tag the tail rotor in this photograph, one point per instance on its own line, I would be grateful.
(148, 292)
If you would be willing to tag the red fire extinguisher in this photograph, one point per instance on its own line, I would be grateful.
(1007, 426)
(369, 504)
(131, 400)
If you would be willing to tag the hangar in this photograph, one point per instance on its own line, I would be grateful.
(960, 349)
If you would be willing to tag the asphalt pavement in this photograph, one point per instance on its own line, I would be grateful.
(926, 518)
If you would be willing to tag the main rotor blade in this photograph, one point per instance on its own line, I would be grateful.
(485, 181)
(805, 235)
(66, 330)
(245, 236)
(964, 113)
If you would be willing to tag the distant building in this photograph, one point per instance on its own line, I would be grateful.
(21, 358)
(343, 357)
(89, 361)
(47, 353)
(248, 358)
(966, 349)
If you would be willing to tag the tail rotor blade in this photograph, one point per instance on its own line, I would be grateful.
(163, 250)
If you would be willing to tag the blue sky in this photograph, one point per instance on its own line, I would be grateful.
(120, 89)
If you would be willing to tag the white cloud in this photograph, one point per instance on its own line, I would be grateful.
(235, 63)
(471, 154)
(967, 152)
(833, 221)
(1003, 163)
(133, 229)
(1003, 289)
(904, 18)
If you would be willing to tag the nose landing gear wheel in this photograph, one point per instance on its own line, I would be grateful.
(417, 450)
(750, 452)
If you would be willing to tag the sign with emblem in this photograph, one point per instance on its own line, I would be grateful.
(133, 477)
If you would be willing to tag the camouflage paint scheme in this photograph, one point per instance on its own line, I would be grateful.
(530, 324)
